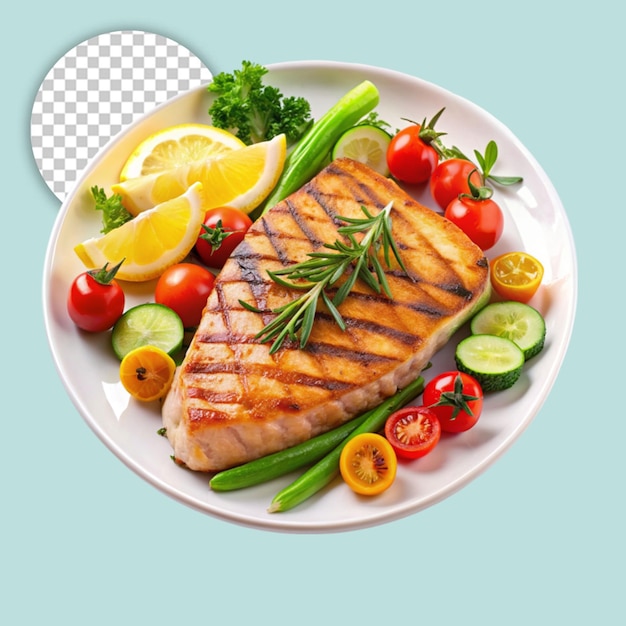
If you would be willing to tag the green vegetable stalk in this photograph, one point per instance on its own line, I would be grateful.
(327, 469)
(280, 463)
(309, 153)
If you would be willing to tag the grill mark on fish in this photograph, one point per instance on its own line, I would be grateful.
(452, 286)
(216, 397)
(320, 348)
(201, 415)
(425, 309)
(367, 196)
(248, 262)
(215, 338)
(321, 198)
(302, 224)
(458, 290)
(330, 200)
(373, 327)
(428, 309)
(280, 240)
(224, 309)
(276, 239)
(351, 184)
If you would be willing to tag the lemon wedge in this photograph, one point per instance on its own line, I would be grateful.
(178, 145)
(239, 178)
(150, 242)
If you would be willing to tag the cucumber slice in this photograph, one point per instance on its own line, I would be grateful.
(364, 143)
(148, 324)
(518, 322)
(495, 362)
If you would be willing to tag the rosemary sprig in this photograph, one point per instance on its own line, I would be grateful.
(351, 259)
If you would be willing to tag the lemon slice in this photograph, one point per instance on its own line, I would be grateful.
(150, 242)
(239, 178)
(178, 145)
(147, 373)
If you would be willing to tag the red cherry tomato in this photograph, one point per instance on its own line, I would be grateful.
(413, 431)
(185, 287)
(95, 300)
(456, 398)
(223, 229)
(450, 179)
(480, 219)
(411, 159)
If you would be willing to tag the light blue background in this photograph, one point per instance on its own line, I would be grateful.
(537, 539)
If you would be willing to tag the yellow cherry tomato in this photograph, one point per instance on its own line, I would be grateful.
(516, 276)
(147, 373)
(368, 464)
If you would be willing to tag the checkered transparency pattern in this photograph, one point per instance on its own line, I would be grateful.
(98, 88)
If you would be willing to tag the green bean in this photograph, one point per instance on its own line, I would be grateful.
(327, 469)
(280, 463)
(310, 152)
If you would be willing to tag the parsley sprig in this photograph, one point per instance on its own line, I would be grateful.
(350, 259)
(113, 212)
(244, 105)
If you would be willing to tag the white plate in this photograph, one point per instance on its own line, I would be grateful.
(535, 221)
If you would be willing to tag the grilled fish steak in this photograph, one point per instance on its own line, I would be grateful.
(233, 401)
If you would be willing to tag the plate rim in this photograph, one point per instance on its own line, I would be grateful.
(284, 524)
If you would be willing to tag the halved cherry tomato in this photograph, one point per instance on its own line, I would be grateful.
(456, 398)
(450, 179)
(516, 275)
(223, 229)
(413, 431)
(146, 372)
(185, 287)
(95, 300)
(368, 464)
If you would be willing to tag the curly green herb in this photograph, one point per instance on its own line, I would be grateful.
(113, 213)
(253, 111)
